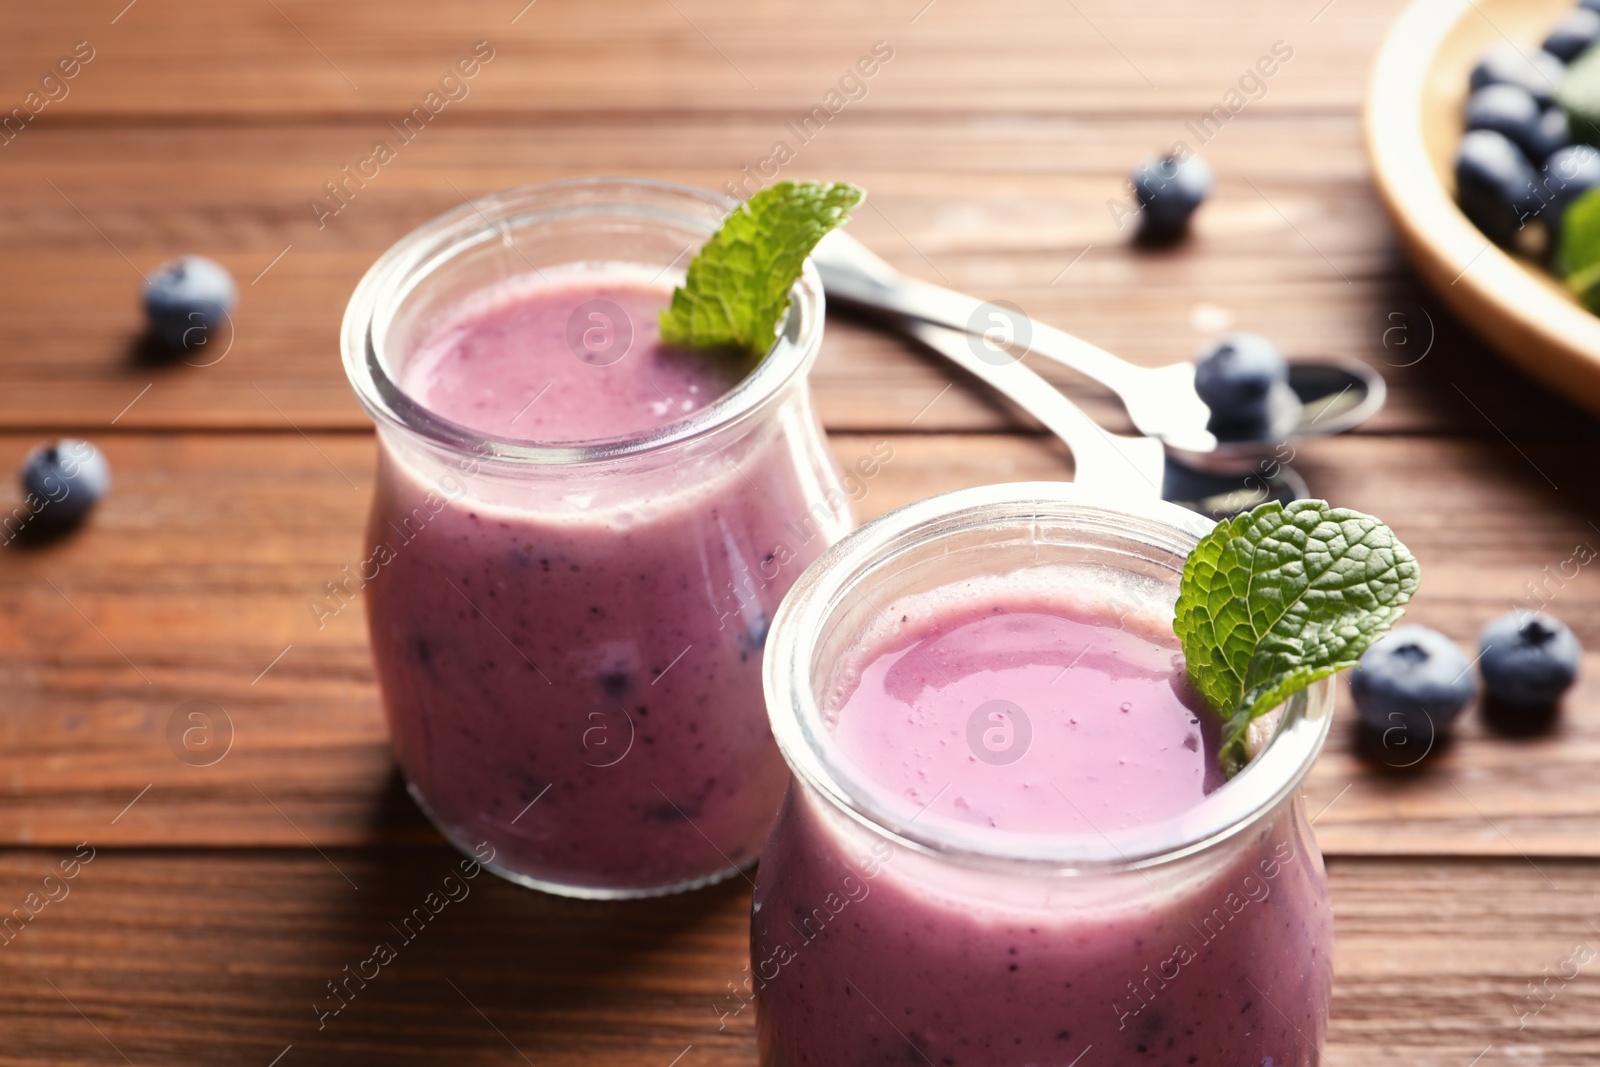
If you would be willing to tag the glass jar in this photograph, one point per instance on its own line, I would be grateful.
(1204, 938)
(568, 637)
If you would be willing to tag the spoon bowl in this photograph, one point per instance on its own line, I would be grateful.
(1222, 496)
(1324, 397)
(1135, 466)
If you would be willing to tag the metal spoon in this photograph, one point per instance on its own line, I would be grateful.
(1223, 496)
(1323, 397)
(1132, 465)
(1161, 401)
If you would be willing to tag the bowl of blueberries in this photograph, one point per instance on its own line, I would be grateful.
(1483, 125)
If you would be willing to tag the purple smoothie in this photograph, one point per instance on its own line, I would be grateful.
(865, 952)
(576, 358)
(571, 664)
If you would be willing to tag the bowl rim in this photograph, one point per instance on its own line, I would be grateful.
(1551, 337)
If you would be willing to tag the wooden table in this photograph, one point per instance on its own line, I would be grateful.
(221, 899)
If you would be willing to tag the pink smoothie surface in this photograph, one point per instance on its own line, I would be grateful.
(866, 952)
(576, 358)
(570, 662)
(1082, 725)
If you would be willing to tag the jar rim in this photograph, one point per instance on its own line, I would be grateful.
(382, 290)
(808, 746)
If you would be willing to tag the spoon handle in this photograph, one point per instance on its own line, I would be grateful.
(845, 277)
(1132, 465)
(1161, 401)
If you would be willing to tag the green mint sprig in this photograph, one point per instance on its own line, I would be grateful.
(1578, 243)
(1580, 249)
(1578, 93)
(737, 289)
(1281, 597)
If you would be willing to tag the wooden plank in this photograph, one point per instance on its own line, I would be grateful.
(200, 565)
(146, 951)
(991, 144)
(1001, 209)
(279, 62)
(1433, 962)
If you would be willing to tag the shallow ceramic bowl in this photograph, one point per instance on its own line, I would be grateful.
(1413, 121)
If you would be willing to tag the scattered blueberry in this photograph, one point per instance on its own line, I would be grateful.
(1412, 679)
(1236, 375)
(1535, 70)
(1512, 110)
(1495, 184)
(1573, 34)
(63, 480)
(187, 300)
(1528, 659)
(1169, 191)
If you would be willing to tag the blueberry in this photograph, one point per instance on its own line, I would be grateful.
(1512, 110)
(1236, 376)
(1573, 34)
(187, 301)
(1537, 71)
(1414, 680)
(1568, 174)
(1495, 185)
(1554, 133)
(62, 480)
(1169, 191)
(1528, 659)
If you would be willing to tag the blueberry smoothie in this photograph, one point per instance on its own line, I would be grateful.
(569, 652)
(1026, 709)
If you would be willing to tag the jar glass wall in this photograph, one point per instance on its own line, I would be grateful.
(568, 635)
(879, 936)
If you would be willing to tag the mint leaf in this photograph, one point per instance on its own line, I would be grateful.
(1580, 248)
(738, 286)
(1579, 94)
(1278, 598)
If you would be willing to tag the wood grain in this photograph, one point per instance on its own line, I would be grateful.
(283, 61)
(197, 571)
(1291, 245)
(148, 951)
(222, 899)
